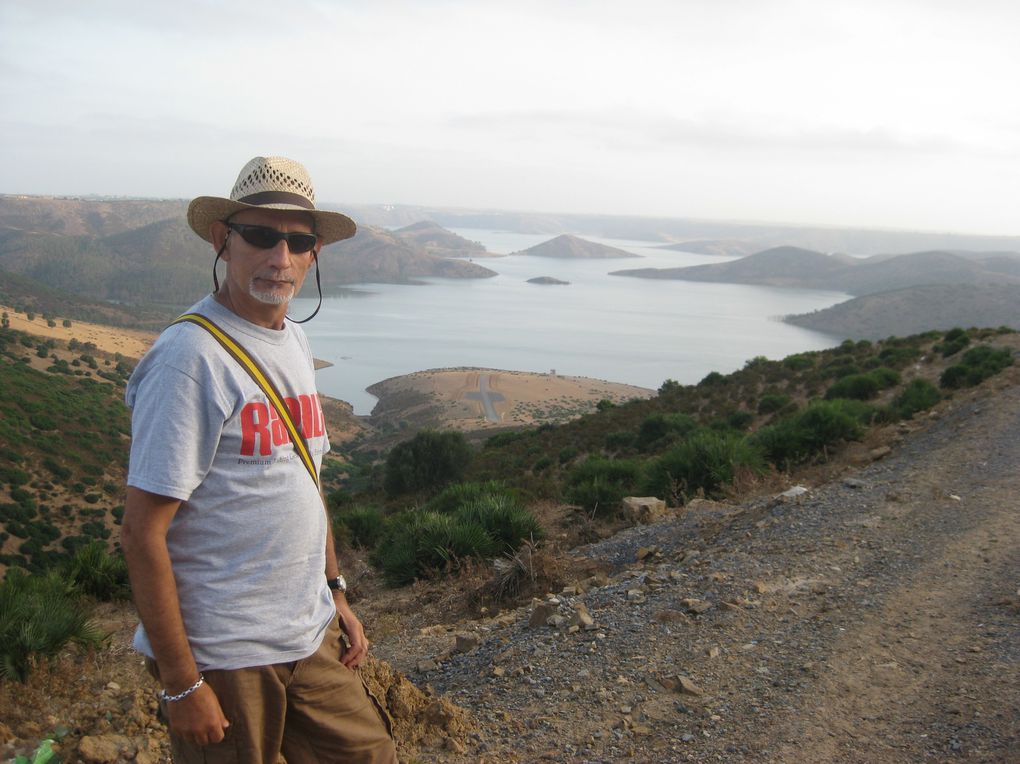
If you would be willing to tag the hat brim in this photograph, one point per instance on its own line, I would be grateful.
(206, 210)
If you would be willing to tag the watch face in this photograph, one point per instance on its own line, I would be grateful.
(338, 584)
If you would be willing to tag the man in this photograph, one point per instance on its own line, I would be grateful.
(225, 533)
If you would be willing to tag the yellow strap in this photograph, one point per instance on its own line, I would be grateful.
(263, 381)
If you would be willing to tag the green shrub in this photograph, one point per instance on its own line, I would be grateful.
(504, 519)
(364, 525)
(918, 395)
(858, 387)
(428, 461)
(739, 420)
(977, 365)
(809, 432)
(453, 497)
(704, 462)
(885, 377)
(712, 379)
(567, 454)
(621, 439)
(953, 342)
(658, 426)
(597, 485)
(898, 356)
(38, 616)
(771, 403)
(420, 544)
(799, 362)
(98, 573)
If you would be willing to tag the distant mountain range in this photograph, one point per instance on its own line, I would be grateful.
(701, 236)
(143, 252)
(567, 247)
(801, 268)
(897, 294)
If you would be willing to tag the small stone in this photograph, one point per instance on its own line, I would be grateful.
(465, 643)
(687, 687)
(112, 686)
(878, 453)
(696, 606)
(854, 483)
(646, 551)
(427, 665)
(794, 493)
(713, 652)
(498, 671)
(540, 615)
(556, 621)
(102, 749)
(635, 595)
(687, 737)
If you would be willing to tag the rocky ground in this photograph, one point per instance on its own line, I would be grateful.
(874, 617)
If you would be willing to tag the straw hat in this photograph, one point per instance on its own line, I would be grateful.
(274, 183)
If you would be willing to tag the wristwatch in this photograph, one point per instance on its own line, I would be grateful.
(338, 584)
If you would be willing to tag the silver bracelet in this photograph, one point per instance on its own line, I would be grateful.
(182, 695)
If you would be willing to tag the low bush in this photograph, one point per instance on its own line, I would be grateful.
(705, 462)
(96, 572)
(771, 403)
(453, 497)
(977, 365)
(428, 461)
(811, 431)
(659, 426)
(597, 485)
(38, 616)
(423, 544)
(858, 387)
(363, 526)
(918, 395)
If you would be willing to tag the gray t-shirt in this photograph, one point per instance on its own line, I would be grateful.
(248, 542)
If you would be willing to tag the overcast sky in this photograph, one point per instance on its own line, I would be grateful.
(878, 113)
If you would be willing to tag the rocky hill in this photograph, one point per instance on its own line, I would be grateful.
(377, 256)
(436, 240)
(917, 309)
(571, 247)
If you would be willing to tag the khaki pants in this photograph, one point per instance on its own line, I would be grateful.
(314, 711)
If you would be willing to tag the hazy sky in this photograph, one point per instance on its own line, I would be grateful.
(886, 113)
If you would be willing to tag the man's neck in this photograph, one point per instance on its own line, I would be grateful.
(252, 310)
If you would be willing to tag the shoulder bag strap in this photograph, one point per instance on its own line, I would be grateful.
(261, 378)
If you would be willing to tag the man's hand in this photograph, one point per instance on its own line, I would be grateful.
(198, 718)
(355, 632)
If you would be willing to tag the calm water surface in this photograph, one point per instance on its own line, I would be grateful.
(638, 331)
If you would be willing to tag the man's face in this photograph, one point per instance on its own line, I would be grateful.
(270, 276)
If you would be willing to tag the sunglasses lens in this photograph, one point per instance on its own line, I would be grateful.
(260, 236)
(264, 237)
(300, 242)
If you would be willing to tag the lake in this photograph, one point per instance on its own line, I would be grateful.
(638, 331)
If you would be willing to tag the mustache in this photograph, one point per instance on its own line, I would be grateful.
(273, 276)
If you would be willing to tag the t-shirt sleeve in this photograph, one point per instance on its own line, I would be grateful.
(175, 427)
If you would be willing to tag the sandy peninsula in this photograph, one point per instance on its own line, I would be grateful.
(472, 399)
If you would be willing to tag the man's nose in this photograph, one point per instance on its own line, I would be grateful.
(280, 255)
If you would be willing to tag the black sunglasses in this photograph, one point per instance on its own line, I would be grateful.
(265, 237)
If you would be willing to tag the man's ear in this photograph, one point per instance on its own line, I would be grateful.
(219, 232)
